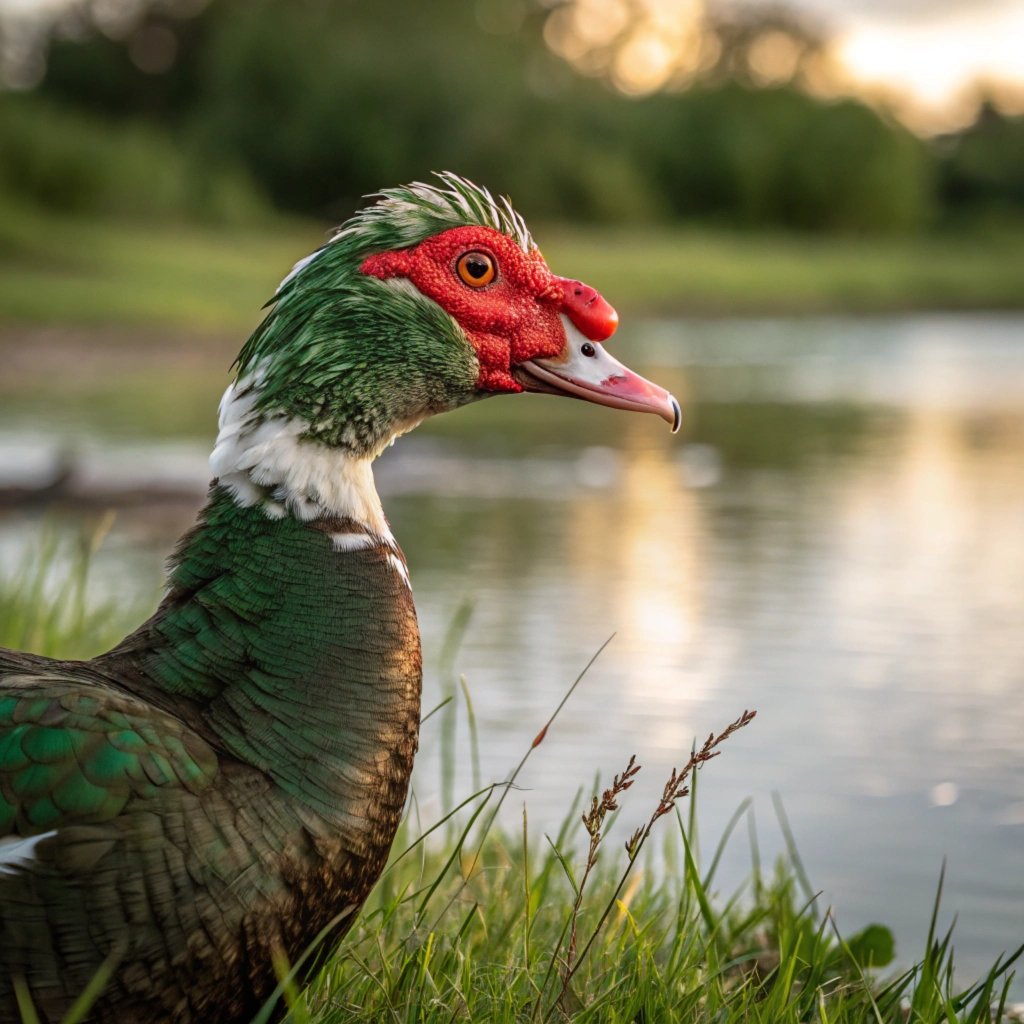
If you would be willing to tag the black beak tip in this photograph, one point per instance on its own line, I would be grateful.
(677, 413)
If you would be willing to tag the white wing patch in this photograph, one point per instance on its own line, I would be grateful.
(345, 542)
(399, 566)
(354, 541)
(17, 854)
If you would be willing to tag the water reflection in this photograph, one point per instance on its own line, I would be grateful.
(839, 543)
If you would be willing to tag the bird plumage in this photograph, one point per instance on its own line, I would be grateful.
(224, 785)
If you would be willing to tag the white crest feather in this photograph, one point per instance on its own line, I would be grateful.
(410, 212)
(455, 200)
(300, 266)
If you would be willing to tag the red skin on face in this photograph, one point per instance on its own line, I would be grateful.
(510, 320)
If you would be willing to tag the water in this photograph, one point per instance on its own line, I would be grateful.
(838, 542)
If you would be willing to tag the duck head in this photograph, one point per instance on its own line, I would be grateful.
(430, 298)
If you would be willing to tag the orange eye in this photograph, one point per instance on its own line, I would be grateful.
(476, 269)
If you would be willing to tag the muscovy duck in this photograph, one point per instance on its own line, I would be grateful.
(225, 784)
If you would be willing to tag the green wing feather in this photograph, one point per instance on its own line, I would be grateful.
(74, 751)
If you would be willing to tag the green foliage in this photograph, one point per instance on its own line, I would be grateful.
(983, 169)
(323, 102)
(76, 162)
(771, 157)
(364, 104)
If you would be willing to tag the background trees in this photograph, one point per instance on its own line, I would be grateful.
(313, 103)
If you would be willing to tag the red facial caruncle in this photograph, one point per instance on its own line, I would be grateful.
(510, 316)
(531, 330)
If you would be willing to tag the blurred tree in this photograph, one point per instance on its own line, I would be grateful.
(148, 74)
(643, 46)
(324, 100)
(983, 166)
(777, 157)
(77, 162)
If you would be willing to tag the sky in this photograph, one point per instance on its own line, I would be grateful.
(931, 51)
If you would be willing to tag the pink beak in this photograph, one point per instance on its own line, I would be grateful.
(585, 370)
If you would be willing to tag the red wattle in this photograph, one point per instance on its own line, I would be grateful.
(591, 314)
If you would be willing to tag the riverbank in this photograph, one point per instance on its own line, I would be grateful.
(57, 270)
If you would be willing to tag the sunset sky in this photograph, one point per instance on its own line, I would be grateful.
(933, 51)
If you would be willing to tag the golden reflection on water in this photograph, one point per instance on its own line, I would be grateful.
(931, 530)
(658, 600)
(650, 528)
(928, 570)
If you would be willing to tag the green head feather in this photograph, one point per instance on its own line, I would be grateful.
(358, 359)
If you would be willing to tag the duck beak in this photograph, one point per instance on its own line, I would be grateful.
(583, 369)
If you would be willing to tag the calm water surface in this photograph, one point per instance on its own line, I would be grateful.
(837, 541)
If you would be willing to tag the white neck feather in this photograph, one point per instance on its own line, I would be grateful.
(267, 462)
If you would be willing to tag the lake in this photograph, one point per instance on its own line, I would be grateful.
(835, 539)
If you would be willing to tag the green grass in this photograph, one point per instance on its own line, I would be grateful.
(65, 270)
(61, 269)
(44, 603)
(474, 921)
(699, 271)
(450, 937)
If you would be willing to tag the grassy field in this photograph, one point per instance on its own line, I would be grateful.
(473, 921)
(59, 270)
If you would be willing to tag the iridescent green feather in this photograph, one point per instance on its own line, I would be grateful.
(249, 634)
(67, 759)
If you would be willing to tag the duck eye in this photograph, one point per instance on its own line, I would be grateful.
(476, 269)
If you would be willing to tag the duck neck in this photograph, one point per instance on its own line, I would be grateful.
(288, 637)
(277, 463)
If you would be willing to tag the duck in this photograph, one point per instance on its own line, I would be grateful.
(222, 788)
